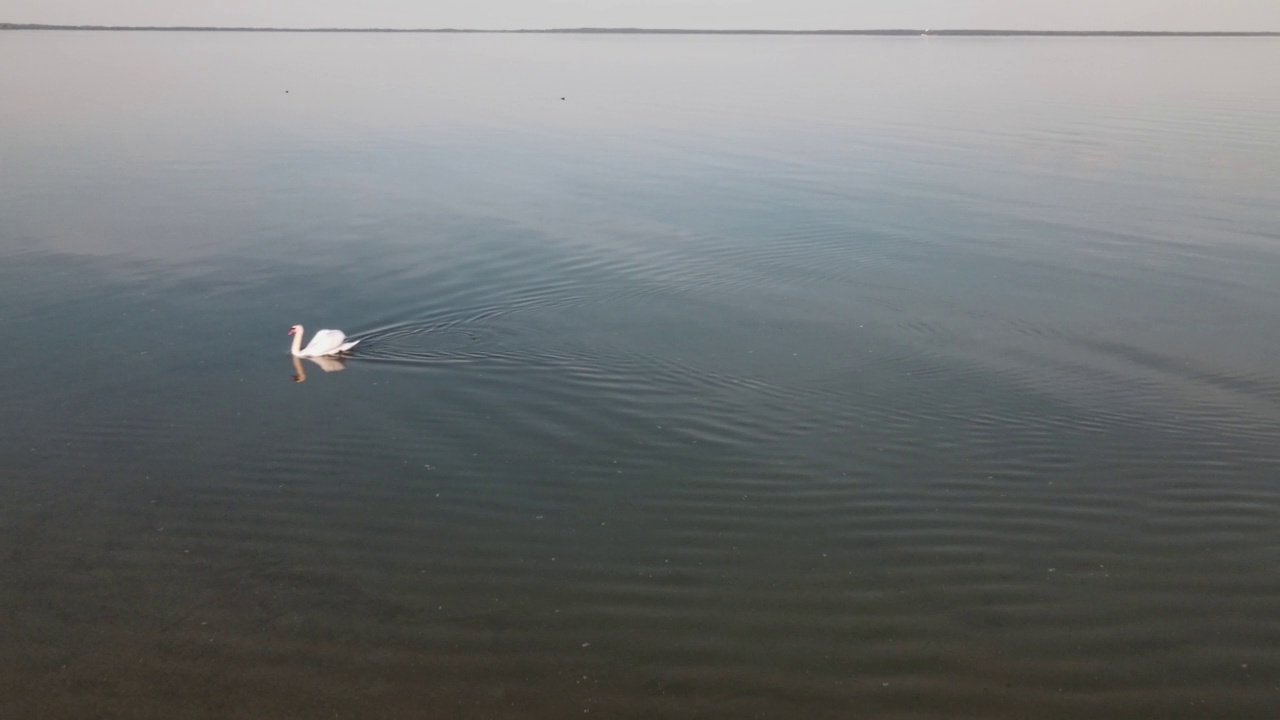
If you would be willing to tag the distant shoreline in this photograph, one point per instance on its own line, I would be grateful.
(654, 31)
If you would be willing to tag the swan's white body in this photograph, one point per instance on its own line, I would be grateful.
(324, 342)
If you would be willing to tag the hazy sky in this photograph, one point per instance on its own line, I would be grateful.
(772, 14)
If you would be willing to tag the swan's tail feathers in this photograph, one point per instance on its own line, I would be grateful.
(346, 347)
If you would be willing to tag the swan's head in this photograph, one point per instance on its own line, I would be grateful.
(294, 329)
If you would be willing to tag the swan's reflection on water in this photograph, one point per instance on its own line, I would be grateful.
(328, 364)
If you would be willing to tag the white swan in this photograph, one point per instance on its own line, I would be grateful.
(325, 342)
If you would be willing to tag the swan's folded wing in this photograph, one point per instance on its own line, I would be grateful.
(325, 342)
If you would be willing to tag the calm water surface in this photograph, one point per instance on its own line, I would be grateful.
(700, 377)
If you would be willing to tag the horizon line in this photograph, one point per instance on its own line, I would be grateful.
(954, 32)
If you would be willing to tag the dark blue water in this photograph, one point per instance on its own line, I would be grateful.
(699, 377)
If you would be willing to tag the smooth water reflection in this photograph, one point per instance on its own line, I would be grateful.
(754, 377)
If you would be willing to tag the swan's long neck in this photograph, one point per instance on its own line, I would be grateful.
(297, 342)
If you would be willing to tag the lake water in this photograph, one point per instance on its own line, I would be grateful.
(700, 377)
